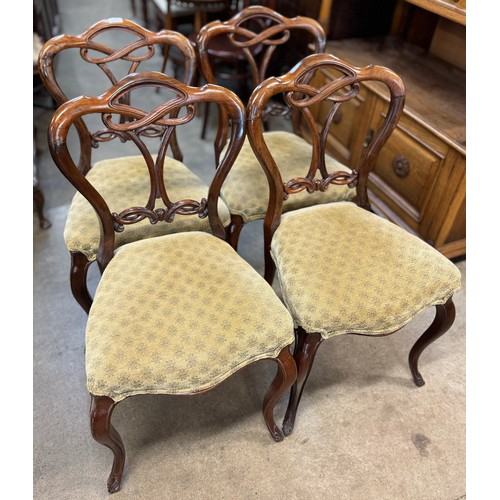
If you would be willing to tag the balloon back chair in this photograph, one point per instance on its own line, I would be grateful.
(342, 269)
(90, 63)
(245, 191)
(175, 314)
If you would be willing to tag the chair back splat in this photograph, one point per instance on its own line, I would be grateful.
(117, 47)
(299, 95)
(256, 32)
(178, 313)
(128, 123)
(343, 269)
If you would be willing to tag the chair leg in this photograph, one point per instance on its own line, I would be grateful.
(234, 230)
(445, 316)
(205, 120)
(39, 200)
(306, 345)
(104, 433)
(285, 377)
(269, 265)
(78, 280)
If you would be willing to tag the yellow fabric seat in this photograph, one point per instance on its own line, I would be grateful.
(246, 190)
(124, 182)
(195, 314)
(344, 283)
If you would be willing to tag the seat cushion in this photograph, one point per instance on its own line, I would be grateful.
(246, 190)
(343, 269)
(124, 182)
(177, 315)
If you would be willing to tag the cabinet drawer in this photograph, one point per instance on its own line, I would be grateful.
(406, 169)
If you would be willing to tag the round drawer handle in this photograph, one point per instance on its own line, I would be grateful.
(401, 166)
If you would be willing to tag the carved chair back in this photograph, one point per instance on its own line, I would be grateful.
(301, 94)
(258, 31)
(150, 131)
(116, 47)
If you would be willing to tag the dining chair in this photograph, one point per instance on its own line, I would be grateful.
(245, 191)
(343, 269)
(176, 314)
(88, 64)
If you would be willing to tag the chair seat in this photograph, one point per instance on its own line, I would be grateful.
(337, 264)
(115, 179)
(195, 314)
(246, 190)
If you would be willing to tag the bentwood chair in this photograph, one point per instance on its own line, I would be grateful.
(97, 58)
(175, 314)
(342, 269)
(245, 191)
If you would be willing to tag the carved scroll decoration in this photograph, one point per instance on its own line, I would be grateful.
(339, 178)
(137, 214)
(111, 54)
(157, 123)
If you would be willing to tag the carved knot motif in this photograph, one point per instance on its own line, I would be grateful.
(137, 214)
(338, 178)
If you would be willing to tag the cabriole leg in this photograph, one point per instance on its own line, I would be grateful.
(104, 433)
(234, 230)
(285, 377)
(78, 279)
(306, 345)
(445, 316)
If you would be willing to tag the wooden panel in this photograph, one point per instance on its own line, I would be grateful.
(449, 44)
(449, 9)
(435, 90)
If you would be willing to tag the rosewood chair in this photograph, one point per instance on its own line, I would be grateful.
(111, 49)
(245, 191)
(175, 314)
(342, 269)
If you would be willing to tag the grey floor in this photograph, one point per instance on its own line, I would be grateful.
(364, 431)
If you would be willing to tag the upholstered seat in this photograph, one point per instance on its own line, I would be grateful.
(390, 274)
(125, 182)
(212, 323)
(246, 190)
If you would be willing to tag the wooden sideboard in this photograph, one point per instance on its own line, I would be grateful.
(418, 181)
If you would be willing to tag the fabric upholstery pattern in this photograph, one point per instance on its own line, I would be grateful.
(196, 314)
(343, 269)
(123, 183)
(246, 190)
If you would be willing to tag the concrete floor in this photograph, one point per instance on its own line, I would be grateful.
(364, 431)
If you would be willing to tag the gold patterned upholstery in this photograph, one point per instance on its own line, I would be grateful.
(124, 182)
(178, 314)
(345, 281)
(246, 190)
